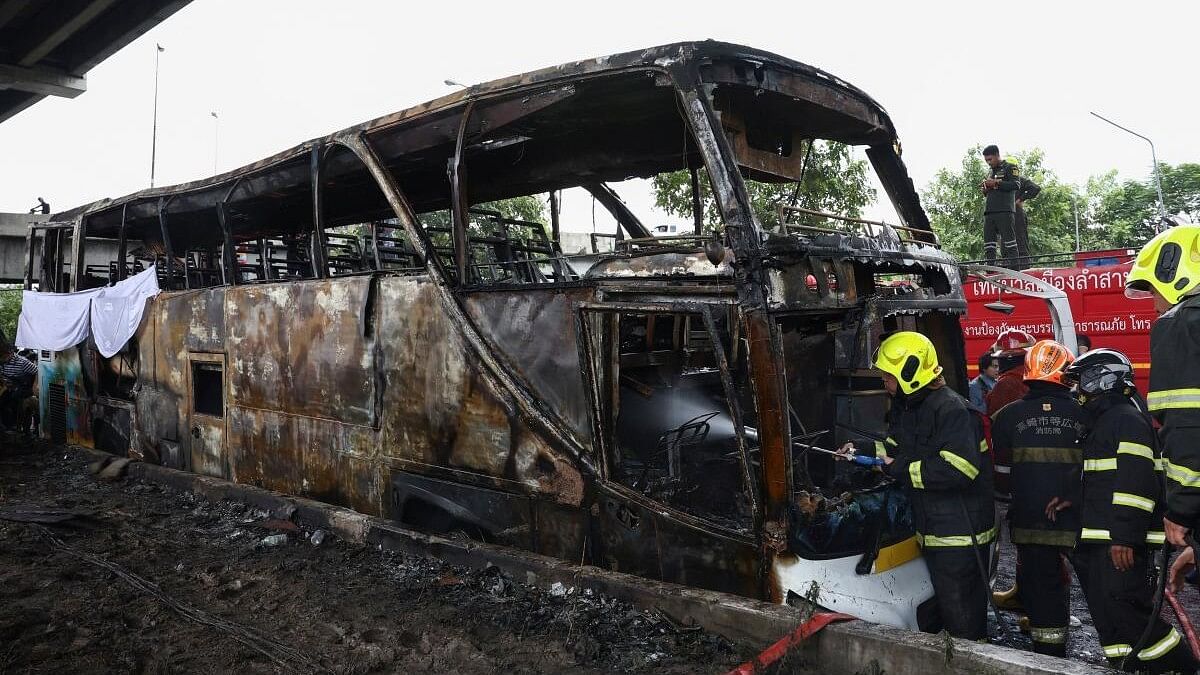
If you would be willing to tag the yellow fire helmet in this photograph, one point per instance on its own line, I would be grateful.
(1169, 263)
(910, 358)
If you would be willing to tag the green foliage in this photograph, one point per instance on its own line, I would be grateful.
(10, 309)
(528, 208)
(954, 204)
(833, 182)
(1130, 209)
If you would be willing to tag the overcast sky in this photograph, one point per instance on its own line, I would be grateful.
(277, 72)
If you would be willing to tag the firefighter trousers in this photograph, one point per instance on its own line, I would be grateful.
(1045, 591)
(999, 230)
(962, 594)
(1121, 604)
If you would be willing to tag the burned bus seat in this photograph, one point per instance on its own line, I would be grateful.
(343, 254)
(288, 259)
(391, 251)
(201, 269)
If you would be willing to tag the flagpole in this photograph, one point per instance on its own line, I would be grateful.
(154, 133)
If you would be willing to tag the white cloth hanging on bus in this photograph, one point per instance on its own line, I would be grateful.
(58, 321)
(54, 321)
(117, 310)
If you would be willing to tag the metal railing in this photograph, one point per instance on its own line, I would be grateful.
(681, 242)
(871, 228)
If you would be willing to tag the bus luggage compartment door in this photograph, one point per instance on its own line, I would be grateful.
(206, 414)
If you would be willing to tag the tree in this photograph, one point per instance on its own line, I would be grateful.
(1130, 209)
(528, 208)
(10, 309)
(833, 181)
(954, 203)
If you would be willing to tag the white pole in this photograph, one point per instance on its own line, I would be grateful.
(1075, 210)
(216, 139)
(154, 129)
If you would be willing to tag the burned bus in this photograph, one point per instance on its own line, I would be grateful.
(353, 321)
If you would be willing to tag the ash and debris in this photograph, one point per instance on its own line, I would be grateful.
(346, 607)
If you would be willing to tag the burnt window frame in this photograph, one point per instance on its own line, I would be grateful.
(209, 363)
(596, 323)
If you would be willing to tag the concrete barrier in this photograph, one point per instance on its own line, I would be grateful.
(847, 648)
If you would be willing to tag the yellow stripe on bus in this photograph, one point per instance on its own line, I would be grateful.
(891, 557)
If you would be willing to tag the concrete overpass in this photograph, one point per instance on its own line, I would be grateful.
(47, 46)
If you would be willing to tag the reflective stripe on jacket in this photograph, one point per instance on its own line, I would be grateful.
(938, 458)
(1122, 478)
(1041, 432)
(1174, 399)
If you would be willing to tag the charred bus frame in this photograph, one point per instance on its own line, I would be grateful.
(349, 321)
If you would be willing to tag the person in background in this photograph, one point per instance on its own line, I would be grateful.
(1009, 350)
(17, 374)
(1041, 433)
(999, 208)
(1028, 190)
(989, 370)
(1122, 518)
(1085, 343)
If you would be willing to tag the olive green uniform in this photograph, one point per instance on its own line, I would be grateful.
(999, 213)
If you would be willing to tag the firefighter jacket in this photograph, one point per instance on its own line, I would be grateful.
(1041, 432)
(1003, 197)
(1174, 399)
(1010, 386)
(1122, 483)
(940, 456)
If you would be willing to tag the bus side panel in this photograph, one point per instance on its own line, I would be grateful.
(176, 327)
(534, 332)
(445, 411)
(304, 348)
(309, 457)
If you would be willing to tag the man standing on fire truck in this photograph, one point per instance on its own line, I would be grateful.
(1041, 433)
(999, 207)
(1167, 270)
(934, 451)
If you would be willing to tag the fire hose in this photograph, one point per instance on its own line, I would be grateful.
(1164, 592)
(780, 647)
(1185, 623)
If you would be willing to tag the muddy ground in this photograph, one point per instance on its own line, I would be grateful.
(141, 578)
(294, 606)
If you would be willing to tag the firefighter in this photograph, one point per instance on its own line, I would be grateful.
(935, 453)
(1028, 190)
(1041, 433)
(1009, 351)
(1122, 509)
(1000, 204)
(1167, 269)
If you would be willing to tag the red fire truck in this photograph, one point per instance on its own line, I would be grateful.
(1094, 283)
